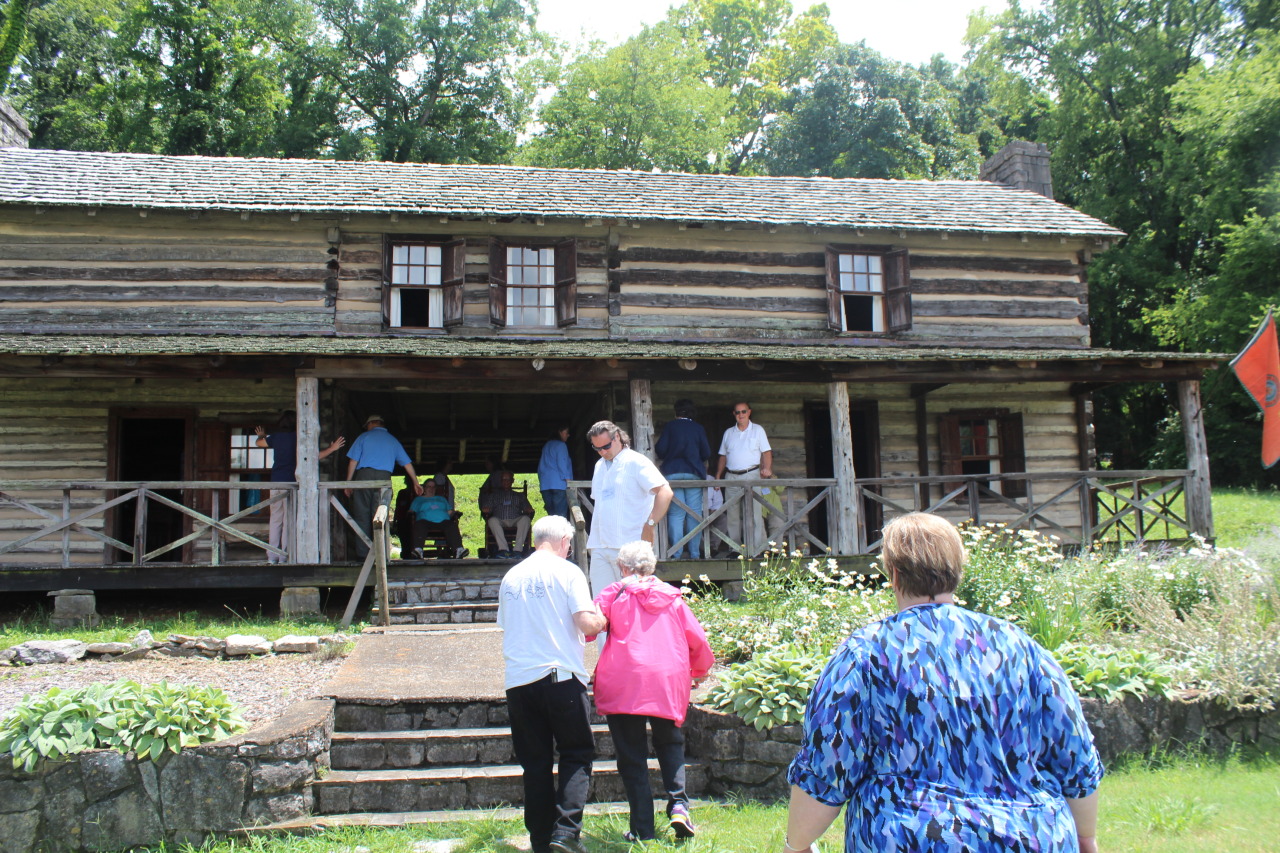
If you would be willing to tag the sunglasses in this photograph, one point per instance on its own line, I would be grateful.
(603, 447)
(742, 411)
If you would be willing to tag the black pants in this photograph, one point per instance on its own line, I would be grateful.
(633, 756)
(549, 716)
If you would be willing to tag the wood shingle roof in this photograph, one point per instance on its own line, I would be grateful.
(95, 179)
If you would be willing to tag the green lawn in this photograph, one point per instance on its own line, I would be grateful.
(1181, 805)
(1246, 517)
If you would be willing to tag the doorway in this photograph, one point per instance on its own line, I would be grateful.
(150, 448)
(864, 420)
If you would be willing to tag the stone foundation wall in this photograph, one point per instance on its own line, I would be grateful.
(105, 800)
(741, 760)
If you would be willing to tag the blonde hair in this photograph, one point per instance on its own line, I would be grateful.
(926, 552)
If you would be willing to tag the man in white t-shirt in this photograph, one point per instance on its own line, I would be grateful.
(745, 454)
(631, 496)
(546, 612)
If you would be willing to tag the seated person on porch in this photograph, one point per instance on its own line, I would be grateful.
(444, 486)
(431, 515)
(504, 509)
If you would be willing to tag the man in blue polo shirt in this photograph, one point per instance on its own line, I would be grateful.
(373, 456)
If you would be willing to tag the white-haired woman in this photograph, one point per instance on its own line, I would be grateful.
(654, 652)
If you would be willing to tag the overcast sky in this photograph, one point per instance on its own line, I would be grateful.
(909, 31)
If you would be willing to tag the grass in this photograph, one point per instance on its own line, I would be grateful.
(466, 497)
(37, 626)
(1167, 806)
(1249, 519)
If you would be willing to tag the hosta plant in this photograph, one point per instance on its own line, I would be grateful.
(1110, 674)
(769, 690)
(122, 715)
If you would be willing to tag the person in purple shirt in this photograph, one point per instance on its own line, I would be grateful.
(373, 456)
(283, 443)
(684, 450)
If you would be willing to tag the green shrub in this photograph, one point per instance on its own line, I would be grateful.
(122, 715)
(789, 598)
(1110, 674)
(769, 690)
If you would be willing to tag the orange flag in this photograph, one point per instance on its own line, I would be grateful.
(1258, 369)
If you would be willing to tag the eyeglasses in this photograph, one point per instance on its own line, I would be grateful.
(742, 411)
(603, 447)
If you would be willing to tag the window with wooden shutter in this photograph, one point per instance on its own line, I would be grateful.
(983, 441)
(533, 285)
(423, 287)
(868, 289)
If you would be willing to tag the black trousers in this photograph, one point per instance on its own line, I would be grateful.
(633, 756)
(549, 716)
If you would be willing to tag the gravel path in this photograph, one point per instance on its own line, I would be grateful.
(263, 687)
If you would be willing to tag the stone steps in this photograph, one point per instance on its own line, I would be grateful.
(465, 787)
(455, 613)
(436, 747)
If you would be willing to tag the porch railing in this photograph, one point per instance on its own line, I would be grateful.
(95, 511)
(785, 507)
(1120, 507)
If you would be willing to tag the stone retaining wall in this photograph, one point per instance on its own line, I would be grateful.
(741, 760)
(105, 800)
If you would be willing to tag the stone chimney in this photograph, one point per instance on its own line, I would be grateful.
(14, 132)
(1021, 165)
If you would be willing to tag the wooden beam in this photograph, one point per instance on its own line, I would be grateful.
(306, 544)
(641, 417)
(845, 507)
(1198, 497)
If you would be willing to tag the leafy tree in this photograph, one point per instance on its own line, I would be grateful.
(641, 105)
(761, 54)
(13, 27)
(870, 117)
(434, 81)
(172, 76)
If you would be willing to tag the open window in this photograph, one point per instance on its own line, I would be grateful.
(984, 441)
(533, 285)
(868, 289)
(424, 279)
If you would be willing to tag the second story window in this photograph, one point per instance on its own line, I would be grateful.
(533, 285)
(868, 289)
(424, 279)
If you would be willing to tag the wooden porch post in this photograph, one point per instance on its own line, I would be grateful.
(1198, 495)
(641, 417)
(307, 524)
(845, 506)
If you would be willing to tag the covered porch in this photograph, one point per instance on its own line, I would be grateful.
(857, 429)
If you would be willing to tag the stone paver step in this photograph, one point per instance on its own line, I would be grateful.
(445, 788)
(432, 747)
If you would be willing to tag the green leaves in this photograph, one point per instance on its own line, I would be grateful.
(769, 690)
(1110, 674)
(122, 715)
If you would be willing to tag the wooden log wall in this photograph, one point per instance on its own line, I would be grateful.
(67, 270)
(704, 283)
(1048, 410)
(57, 429)
(64, 270)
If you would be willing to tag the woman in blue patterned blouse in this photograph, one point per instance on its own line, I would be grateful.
(941, 728)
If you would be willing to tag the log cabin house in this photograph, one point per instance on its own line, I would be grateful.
(906, 344)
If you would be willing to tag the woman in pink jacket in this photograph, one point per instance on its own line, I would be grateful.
(654, 652)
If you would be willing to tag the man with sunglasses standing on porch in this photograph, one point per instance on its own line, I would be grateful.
(631, 496)
(745, 454)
